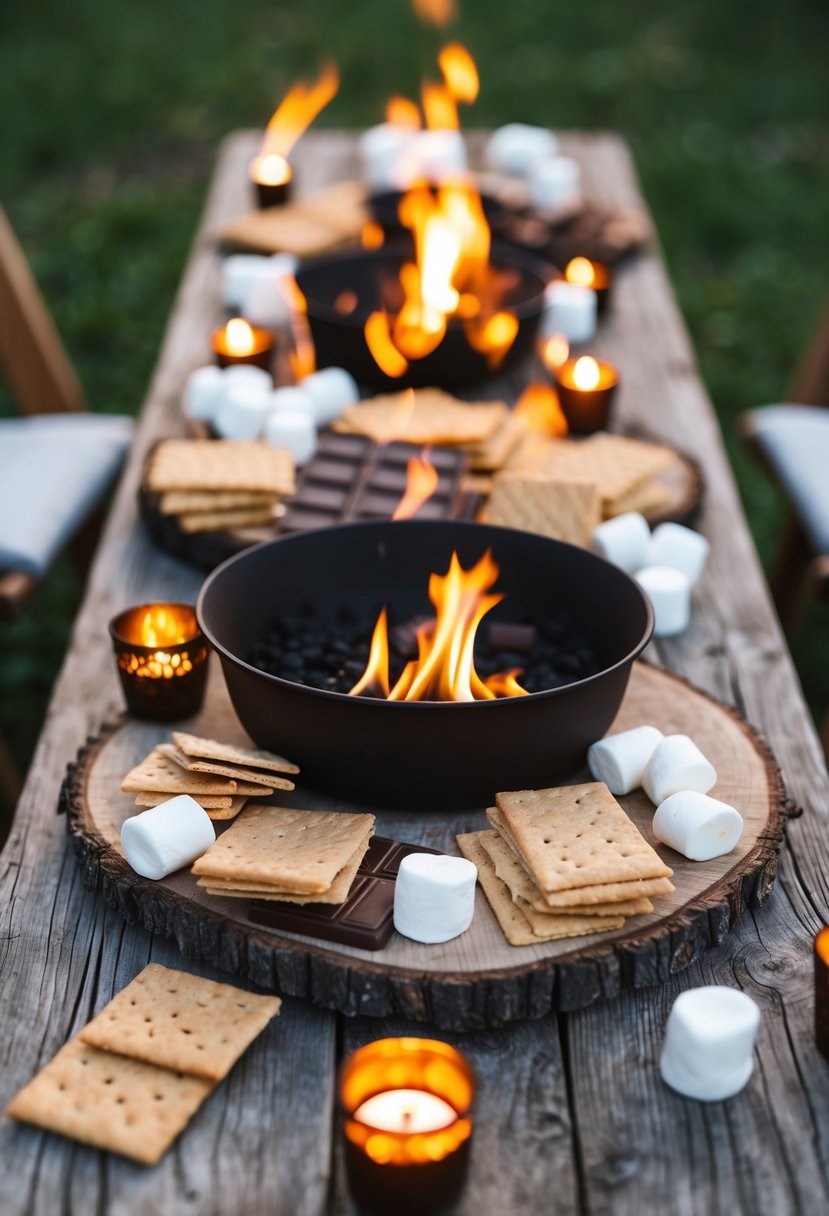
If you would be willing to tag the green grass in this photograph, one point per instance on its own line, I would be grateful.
(111, 117)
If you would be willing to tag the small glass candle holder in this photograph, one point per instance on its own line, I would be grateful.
(822, 992)
(406, 1125)
(586, 388)
(237, 341)
(271, 176)
(587, 273)
(162, 655)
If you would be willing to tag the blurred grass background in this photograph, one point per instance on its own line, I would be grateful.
(112, 115)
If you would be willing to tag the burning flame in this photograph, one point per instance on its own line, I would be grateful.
(296, 112)
(383, 350)
(459, 72)
(493, 336)
(444, 669)
(372, 235)
(580, 271)
(539, 409)
(421, 483)
(401, 112)
(162, 628)
(554, 351)
(303, 357)
(239, 338)
(439, 108)
(435, 12)
(586, 373)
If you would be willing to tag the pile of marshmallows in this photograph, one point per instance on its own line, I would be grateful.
(240, 402)
(667, 564)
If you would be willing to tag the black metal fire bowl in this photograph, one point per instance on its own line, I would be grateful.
(369, 280)
(423, 754)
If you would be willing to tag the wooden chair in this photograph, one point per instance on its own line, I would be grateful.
(42, 382)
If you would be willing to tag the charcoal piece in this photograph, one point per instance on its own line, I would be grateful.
(365, 920)
(504, 635)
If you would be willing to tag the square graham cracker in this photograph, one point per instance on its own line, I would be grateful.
(616, 463)
(337, 893)
(250, 757)
(513, 919)
(425, 415)
(110, 1101)
(159, 774)
(563, 509)
(220, 464)
(242, 776)
(181, 1021)
(297, 850)
(577, 835)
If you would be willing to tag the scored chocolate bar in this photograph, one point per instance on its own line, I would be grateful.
(365, 920)
(350, 478)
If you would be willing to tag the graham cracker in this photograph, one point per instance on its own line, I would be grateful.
(297, 850)
(577, 835)
(239, 774)
(220, 464)
(209, 802)
(337, 893)
(250, 757)
(563, 509)
(181, 1021)
(616, 463)
(157, 773)
(249, 788)
(185, 502)
(513, 919)
(110, 1102)
(426, 415)
(496, 450)
(285, 229)
(649, 496)
(226, 521)
(524, 890)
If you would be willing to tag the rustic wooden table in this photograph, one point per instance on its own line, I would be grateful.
(572, 1114)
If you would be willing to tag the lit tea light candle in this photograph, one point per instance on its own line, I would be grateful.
(271, 175)
(822, 992)
(406, 1125)
(586, 387)
(240, 342)
(585, 273)
(162, 657)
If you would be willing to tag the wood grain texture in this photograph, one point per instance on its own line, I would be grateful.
(572, 1114)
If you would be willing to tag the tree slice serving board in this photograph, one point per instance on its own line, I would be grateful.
(477, 980)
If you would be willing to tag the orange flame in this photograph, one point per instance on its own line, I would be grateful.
(372, 235)
(580, 271)
(444, 669)
(297, 111)
(586, 374)
(383, 350)
(376, 674)
(435, 12)
(239, 337)
(303, 358)
(401, 112)
(540, 410)
(439, 108)
(459, 72)
(493, 336)
(421, 483)
(554, 351)
(162, 628)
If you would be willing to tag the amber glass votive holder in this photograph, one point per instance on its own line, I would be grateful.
(272, 177)
(822, 992)
(162, 657)
(402, 1159)
(237, 341)
(586, 388)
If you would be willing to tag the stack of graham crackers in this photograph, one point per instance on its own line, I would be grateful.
(315, 224)
(565, 490)
(487, 431)
(564, 862)
(287, 855)
(219, 776)
(216, 485)
(138, 1072)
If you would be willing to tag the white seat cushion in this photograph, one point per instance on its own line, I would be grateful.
(54, 468)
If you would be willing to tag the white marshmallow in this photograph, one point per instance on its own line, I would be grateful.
(242, 411)
(267, 304)
(669, 592)
(515, 148)
(330, 390)
(681, 548)
(203, 393)
(434, 897)
(384, 156)
(436, 156)
(247, 374)
(569, 309)
(239, 272)
(624, 540)
(249, 282)
(620, 760)
(163, 839)
(294, 399)
(709, 1041)
(293, 430)
(697, 826)
(677, 764)
(555, 184)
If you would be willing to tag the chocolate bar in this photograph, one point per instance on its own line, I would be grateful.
(365, 920)
(350, 478)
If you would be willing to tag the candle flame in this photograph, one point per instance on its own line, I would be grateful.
(580, 271)
(239, 337)
(586, 373)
